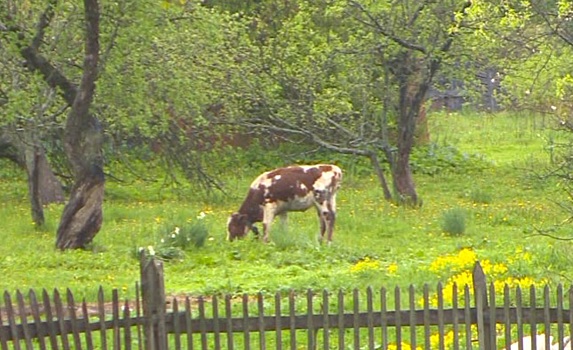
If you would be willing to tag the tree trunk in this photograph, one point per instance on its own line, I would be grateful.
(83, 215)
(380, 174)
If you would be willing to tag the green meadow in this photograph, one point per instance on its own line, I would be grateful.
(484, 198)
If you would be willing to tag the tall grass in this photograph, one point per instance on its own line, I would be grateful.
(402, 242)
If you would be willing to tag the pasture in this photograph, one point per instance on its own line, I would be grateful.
(482, 165)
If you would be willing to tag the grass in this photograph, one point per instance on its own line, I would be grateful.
(376, 243)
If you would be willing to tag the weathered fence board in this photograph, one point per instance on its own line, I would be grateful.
(376, 318)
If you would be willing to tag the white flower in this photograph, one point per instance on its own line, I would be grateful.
(553, 108)
(201, 215)
(176, 230)
(173, 235)
(162, 240)
(151, 250)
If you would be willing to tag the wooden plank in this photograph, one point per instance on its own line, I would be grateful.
(188, 325)
(35, 311)
(246, 328)
(101, 316)
(325, 320)
(412, 307)
(216, 327)
(490, 319)
(202, 322)
(455, 320)
(506, 319)
(441, 328)
(480, 296)
(229, 321)
(51, 326)
(74, 320)
(560, 326)
(356, 318)
(176, 324)
(127, 328)
(427, 330)
(261, 315)
(383, 318)
(278, 320)
(467, 317)
(116, 329)
(533, 319)
(292, 318)
(397, 307)
(370, 317)
(3, 333)
(519, 314)
(138, 313)
(546, 305)
(24, 320)
(11, 320)
(60, 320)
(340, 319)
(311, 336)
(87, 332)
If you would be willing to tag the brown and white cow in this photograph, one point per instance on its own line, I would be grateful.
(294, 188)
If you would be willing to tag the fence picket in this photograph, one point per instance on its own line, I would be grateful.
(383, 318)
(455, 326)
(176, 323)
(246, 333)
(51, 325)
(441, 328)
(398, 318)
(127, 329)
(560, 328)
(355, 318)
(492, 316)
(61, 317)
(11, 320)
(24, 320)
(546, 317)
(412, 307)
(229, 319)
(261, 315)
(292, 319)
(188, 326)
(533, 317)
(519, 313)
(101, 316)
(370, 318)
(115, 319)
(3, 333)
(467, 317)
(74, 324)
(216, 326)
(202, 320)
(325, 320)
(341, 328)
(426, 296)
(507, 320)
(35, 311)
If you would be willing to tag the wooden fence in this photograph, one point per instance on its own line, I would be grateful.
(370, 319)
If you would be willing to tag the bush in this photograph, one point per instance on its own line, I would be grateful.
(478, 195)
(176, 239)
(454, 221)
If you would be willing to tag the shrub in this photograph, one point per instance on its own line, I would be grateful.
(454, 221)
(478, 195)
(176, 239)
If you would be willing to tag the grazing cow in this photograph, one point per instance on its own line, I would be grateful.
(294, 188)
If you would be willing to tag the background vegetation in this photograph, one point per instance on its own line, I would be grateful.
(487, 171)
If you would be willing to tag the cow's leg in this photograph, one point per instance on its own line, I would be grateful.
(322, 220)
(330, 216)
(284, 220)
(268, 217)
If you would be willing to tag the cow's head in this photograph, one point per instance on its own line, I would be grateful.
(238, 226)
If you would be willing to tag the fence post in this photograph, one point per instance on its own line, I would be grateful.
(153, 302)
(480, 294)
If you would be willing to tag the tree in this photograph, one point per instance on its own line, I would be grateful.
(348, 76)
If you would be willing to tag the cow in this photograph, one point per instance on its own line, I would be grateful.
(293, 188)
